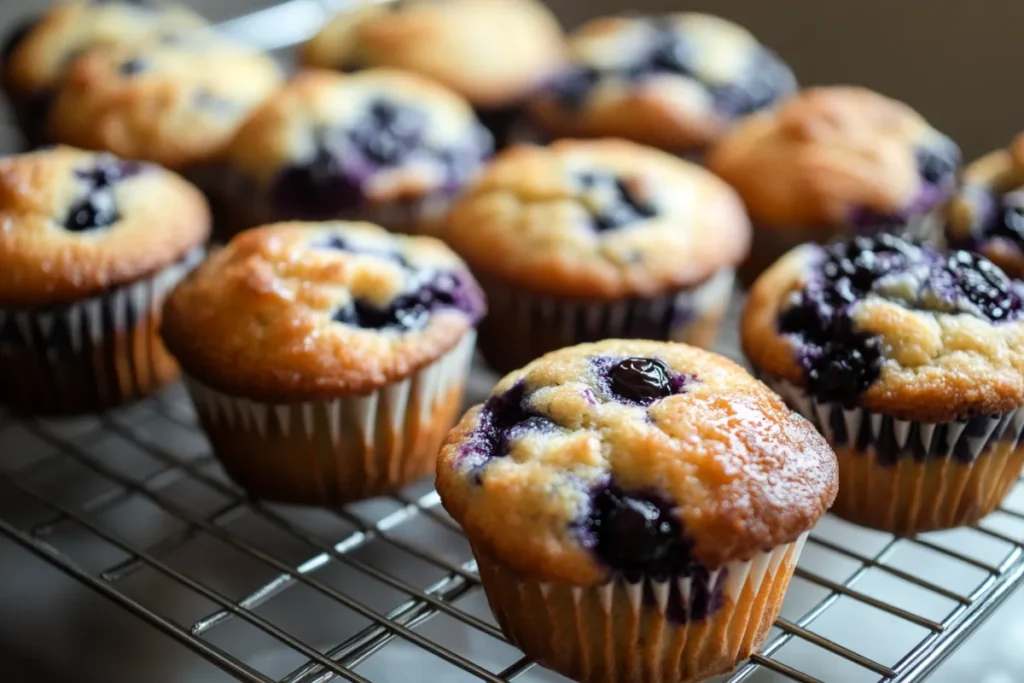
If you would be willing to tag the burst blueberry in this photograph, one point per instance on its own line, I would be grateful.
(411, 310)
(96, 207)
(612, 202)
(316, 189)
(389, 132)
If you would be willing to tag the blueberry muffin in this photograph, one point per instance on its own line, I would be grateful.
(492, 52)
(177, 103)
(89, 249)
(987, 213)
(833, 162)
(636, 508)
(326, 361)
(909, 360)
(677, 81)
(590, 240)
(382, 146)
(37, 53)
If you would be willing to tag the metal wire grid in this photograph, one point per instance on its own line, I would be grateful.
(964, 606)
(420, 603)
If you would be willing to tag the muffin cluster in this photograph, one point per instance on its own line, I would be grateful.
(586, 201)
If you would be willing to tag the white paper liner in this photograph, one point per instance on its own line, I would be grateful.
(600, 634)
(340, 450)
(907, 477)
(522, 326)
(76, 346)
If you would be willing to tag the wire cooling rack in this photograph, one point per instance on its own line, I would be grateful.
(132, 505)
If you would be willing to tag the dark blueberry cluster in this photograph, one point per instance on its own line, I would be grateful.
(764, 82)
(501, 416)
(389, 132)
(319, 188)
(344, 159)
(637, 533)
(841, 363)
(612, 202)
(96, 207)
(430, 290)
(411, 310)
(638, 381)
(996, 216)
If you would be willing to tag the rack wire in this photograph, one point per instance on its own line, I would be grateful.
(396, 575)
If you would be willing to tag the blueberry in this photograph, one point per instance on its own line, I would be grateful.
(94, 211)
(766, 80)
(389, 132)
(317, 189)
(984, 285)
(671, 54)
(132, 67)
(411, 311)
(640, 380)
(937, 167)
(612, 202)
(637, 533)
(573, 87)
(500, 415)
(96, 207)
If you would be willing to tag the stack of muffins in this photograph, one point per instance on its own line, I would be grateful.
(636, 505)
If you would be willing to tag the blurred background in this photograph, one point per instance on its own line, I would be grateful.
(956, 62)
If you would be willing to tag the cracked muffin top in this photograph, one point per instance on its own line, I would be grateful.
(309, 311)
(677, 81)
(635, 458)
(601, 219)
(74, 224)
(894, 327)
(837, 156)
(327, 140)
(987, 213)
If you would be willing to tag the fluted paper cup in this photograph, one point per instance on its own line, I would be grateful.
(90, 355)
(908, 477)
(338, 451)
(679, 630)
(522, 326)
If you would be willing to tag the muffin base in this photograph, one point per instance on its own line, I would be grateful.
(611, 634)
(91, 355)
(770, 244)
(522, 326)
(907, 477)
(241, 204)
(333, 452)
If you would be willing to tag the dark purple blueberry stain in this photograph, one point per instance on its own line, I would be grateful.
(612, 203)
(411, 311)
(764, 81)
(318, 188)
(429, 291)
(937, 166)
(638, 535)
(96, 208)
(839, 362)
(389, 134)
(132, 67)
(500, 416)
(995, 216)
(638, 381)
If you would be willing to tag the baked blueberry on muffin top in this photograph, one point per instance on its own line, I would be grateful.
(987, 213)
(329, 145)
(176, 102)
(629, 459)
(889, 325)
(306, 311)
(676, 81)
(78, 224)
(598, 220)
